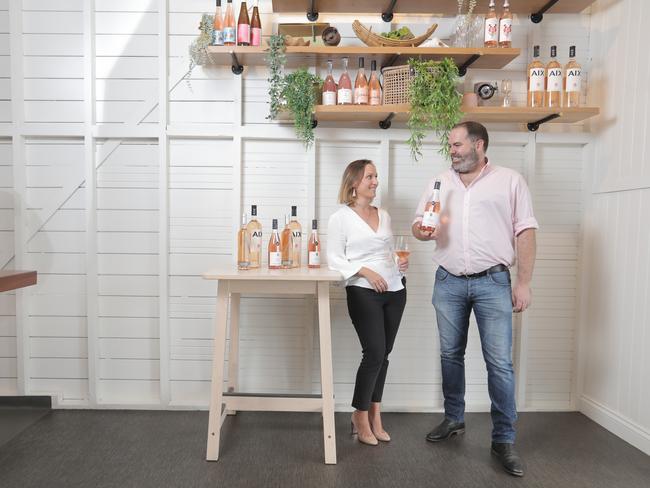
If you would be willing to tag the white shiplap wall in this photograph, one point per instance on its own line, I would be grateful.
(222, 156)
(615, 329)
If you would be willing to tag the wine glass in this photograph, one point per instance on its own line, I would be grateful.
(506, 87)
(402, 247)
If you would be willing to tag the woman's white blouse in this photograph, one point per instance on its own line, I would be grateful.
(352, 244)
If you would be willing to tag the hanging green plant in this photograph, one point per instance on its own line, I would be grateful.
(198, 48)
(299, 91)
(435, 102)
(275, 59)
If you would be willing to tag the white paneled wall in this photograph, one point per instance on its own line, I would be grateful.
(167, 198)
(615, 328)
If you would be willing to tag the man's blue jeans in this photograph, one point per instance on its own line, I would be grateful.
(490, 297)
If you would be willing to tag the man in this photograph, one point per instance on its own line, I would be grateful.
(486, 219)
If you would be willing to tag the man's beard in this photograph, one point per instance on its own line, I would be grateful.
(467, 163)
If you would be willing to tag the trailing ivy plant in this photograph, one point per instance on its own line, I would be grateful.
(276, 59)
(299, 91)
(295, 92)
(435, 103)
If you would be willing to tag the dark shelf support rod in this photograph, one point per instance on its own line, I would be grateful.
(387, 15)
(462, 69)
(236, 68)
(537, 17)
(312, 15)
(533, 126)
(385, 124)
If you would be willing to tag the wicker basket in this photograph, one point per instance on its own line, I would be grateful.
(374, 40)
(397, 80)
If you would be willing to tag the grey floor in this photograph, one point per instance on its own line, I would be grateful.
(66, 448)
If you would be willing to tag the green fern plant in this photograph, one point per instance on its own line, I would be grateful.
(435, 103)
(299, 91)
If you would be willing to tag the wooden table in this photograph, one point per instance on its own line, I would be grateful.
(231, 284)
(12, 279)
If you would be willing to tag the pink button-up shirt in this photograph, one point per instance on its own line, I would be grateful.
(479, 222)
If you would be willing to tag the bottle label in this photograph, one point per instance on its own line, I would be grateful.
(229, 35)
(256, 36)
(361, 96)
(244, 34)
(375, 97)
(344, 96)
(256, 241)
(554, 81)
(217, 38)
(505, 30)
(536, 83)
(297, 239)
(430, 219)
(573, 79)
(329, 98)
(275, 258)
(491, 30)
(314, 258)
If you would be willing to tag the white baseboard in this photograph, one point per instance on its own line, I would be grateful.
(623, 427)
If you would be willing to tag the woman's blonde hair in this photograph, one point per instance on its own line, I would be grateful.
(352, 174)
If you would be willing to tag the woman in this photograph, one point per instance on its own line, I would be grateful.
(360, 247)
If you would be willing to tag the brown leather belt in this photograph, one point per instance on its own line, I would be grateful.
(497, 268)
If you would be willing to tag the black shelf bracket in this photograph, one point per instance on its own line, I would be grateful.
(533, 126)
(312, 15)
(537, 17)
(385, 124)
(236, 68)
(314, 122)
(387, 15)
(462, 69)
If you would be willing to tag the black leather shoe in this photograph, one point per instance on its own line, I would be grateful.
(445, 430)
(508, 457)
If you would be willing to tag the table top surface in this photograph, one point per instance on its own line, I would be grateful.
(264, 274)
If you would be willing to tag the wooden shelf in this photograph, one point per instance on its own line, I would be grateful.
(366, 113)
(424, 7)
(12, 279)
(296, 56)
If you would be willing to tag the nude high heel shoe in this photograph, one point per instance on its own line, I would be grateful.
(369, 440)
(381, 436)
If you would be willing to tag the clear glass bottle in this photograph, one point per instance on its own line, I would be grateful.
(344, 92)
(256, 26)
(274, 249)
(536, 80)
(329, 86)
(296, 238)
(554, 81)
(313, 247)
(254, 228)
(217, 26)
(361, 85)
(229, 31)
(374, 85)
(491, 36)
(243, 26)
(572, 80)
(431, 217)
(243, 245)
(286, 244)
(505, 26)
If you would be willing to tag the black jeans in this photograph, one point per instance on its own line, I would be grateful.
(376, 318)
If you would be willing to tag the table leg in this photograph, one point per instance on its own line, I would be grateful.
(327, 382)
(233, 356)
(218, 353)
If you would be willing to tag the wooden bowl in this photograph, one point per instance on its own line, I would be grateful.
(295, 41)
(374, 40)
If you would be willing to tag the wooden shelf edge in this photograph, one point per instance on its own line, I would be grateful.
(12, 279)
(356, 113)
